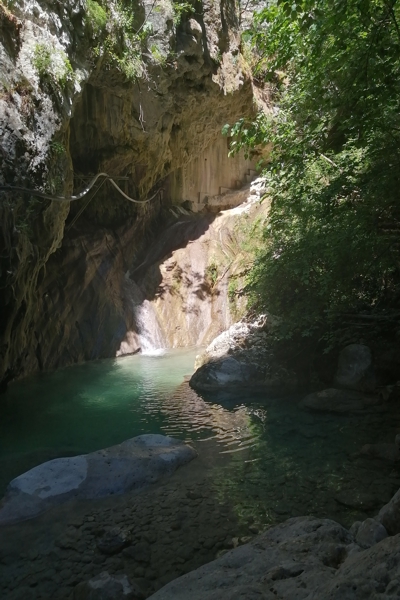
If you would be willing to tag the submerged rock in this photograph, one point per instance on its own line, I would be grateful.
(108, 587)
(363, 501)
(241, 356)
(128, 466)
(355, 369)
(338, 401)
(114, 541)
(383, 451)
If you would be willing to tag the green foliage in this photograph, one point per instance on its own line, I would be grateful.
(211, 273)
(53, 67)
(181, 9)
(247, 135)
(232, 289)
(331, 244)
(97, 17)
(42, 59)
(120, 44)
(10, 4)
(57, 148)
(157, 55)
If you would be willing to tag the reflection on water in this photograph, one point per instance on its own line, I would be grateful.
(270, 458)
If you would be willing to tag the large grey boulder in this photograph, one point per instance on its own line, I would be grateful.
(338, 401)
(250, 335)
(355, 369)
(302, 559)
(128, 466)
(241, 357)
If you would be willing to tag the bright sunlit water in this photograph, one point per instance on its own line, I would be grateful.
(269, 457)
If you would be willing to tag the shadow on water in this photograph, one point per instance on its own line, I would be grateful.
(285, 461)
(269, 458)
(261, 460)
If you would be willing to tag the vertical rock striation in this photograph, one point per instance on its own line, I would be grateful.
(67, 110)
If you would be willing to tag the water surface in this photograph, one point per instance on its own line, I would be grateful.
(268, 457)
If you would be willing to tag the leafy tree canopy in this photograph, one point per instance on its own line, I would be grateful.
(331, 244)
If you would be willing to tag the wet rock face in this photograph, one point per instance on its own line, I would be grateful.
(96, 120)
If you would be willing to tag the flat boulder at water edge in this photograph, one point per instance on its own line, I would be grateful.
(128, 466)
(241, 357)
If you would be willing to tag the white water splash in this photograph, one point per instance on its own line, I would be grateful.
(151, 337)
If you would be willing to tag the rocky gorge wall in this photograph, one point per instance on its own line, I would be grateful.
(189, 287)
(213, 173)
(63, 273)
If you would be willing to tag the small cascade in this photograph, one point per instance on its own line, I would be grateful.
(151, 338)
(146, 334)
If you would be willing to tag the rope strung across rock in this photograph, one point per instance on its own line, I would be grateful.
(10, 188)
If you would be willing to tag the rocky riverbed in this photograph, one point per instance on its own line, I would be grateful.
(322, 470)
(153, 537)
(180, 523)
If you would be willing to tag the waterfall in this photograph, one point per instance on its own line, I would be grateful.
(151, 337)
(147, 335)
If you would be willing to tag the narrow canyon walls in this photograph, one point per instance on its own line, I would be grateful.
(62, 272)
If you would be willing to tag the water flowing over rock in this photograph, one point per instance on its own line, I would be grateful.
(186, 289)
(131, 465)
(150, 335)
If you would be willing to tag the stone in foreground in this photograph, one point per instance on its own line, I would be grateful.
(302, 559)
(128, 466)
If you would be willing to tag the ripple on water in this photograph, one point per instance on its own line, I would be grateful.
(265, 455)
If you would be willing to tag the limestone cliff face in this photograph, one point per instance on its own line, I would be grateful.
(62, 277)
(188, 289)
